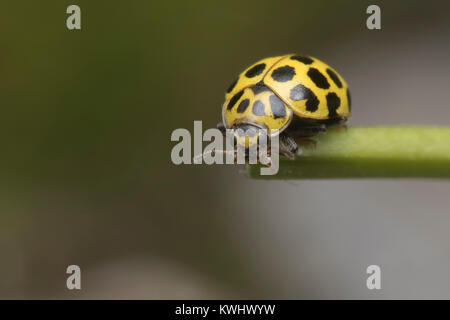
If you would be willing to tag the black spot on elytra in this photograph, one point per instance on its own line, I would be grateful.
(258, 88)
(349, 98)
(333, 102)
(305, 60)
(283, 74)
(300, 92)
(334, 77)
(258, 108)
(234, 99)
(231, 87)
(243, 106)
(256, 70)
(277, 107)
(318, 78)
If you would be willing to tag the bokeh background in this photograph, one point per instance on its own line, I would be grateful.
(86, 175)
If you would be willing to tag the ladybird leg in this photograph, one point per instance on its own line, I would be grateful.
(266, 157)
(268, 163)
(288, 147)
(222, 128)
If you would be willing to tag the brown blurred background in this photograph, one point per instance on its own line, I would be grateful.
(85, 162)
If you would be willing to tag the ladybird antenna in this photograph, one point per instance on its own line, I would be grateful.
(199, 157)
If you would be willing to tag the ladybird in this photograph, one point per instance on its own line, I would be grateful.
(292, 95)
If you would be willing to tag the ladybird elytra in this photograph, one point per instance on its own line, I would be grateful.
(306, 85)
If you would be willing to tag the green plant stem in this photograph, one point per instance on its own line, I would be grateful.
(370, 152)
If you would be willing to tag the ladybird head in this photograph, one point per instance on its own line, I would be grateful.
(247, 136)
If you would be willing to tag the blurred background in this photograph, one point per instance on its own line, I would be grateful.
(86, 175)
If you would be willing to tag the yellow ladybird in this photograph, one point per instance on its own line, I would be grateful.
(298, 96)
